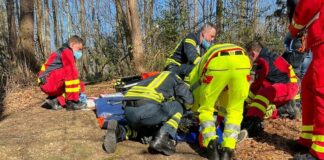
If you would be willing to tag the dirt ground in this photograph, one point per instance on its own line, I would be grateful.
(29, 131)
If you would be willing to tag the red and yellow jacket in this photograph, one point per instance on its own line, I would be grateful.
(271, 68)
(305, 12)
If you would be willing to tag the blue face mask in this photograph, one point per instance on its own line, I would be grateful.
(77, 54)
(205, 44)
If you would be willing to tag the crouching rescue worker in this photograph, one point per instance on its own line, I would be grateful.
(275, 83)
(188, 52)
(59, 78)
(155, 105)
(223, 67)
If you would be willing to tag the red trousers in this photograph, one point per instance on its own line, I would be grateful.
(58, 84)
(278, 94)
(312, 97)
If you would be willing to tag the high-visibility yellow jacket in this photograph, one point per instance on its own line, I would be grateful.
(166, 86)
(223, 67)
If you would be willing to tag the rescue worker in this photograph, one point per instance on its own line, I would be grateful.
(223, 67)
(188, 52)
(156, 103)
(275, 83)
(59, 78)
(309, 18)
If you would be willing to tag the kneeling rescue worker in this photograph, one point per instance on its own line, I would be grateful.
(223, 67)
(156, 103)
(275, 83)
(59, 77)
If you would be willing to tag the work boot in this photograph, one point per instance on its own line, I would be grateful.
(226, 154)
(253, 125)
(110, 141)
(53, 103)
(71, 105)
(162, 144)
(212, 150)
(306, 156)
(242, 135)
(297, 147)
(289, 110)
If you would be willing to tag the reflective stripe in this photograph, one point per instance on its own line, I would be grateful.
(208, 135)
(70, 90)
(172, 61)
(269, 111)
(72, 82)
(197, 60)
(230, 134)
(259, 106)
(297, 96)
(233, 127)
(207, 124)
(172, 123)
(149, 91)
(43, 68)
(149, 95)
(317, 148)
(318, 138)
(292, 75)
(251, 94)
(307, 135)
(191, 41)
(188, 106)
(296, 25)
(158, 80)
(177, 116)
(263, 99)
(307, 128)
(293, 80)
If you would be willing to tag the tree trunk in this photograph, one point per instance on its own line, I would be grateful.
(82, 19)
(12, 36)
(47, 38)
(122, 20)
(138, 51)
(83, 36)
(195, 15)
(219, 16)
(40, 26)
(55, 24)
(26, 36)
(68, 15)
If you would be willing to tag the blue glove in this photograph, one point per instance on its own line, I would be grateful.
(83, 98)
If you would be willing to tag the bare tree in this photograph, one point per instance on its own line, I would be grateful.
(47, 38)
(55, 23)
(219, 16)
(12, 27)
(25, 44)
(138, 52)
(40, 26)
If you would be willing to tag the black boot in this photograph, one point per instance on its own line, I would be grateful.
(227, 154)
(297, 147)
(115, 133)
(212, 150)
(71, 105)
(306, 156)
(253, 125)
(53, 104)
(162, 144)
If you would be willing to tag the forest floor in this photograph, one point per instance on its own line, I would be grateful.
(29, 131)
